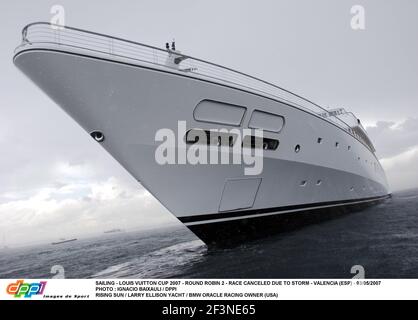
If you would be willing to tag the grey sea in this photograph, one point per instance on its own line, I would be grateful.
(382, 239)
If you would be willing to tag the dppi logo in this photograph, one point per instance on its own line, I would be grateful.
(27, 290)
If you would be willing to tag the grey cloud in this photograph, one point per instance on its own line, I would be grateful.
(391, 139)
(109, 204)
(402, 170)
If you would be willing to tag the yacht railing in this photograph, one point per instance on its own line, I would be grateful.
(44, 33)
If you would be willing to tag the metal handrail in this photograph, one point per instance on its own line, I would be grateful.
(35, 33)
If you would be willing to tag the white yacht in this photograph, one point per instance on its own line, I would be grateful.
(316, 161)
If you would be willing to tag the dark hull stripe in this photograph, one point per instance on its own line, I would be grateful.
(246, 213)
(232, 232)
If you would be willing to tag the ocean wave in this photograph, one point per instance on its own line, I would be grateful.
(162, 263)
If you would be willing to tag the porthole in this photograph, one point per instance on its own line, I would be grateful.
(352, 189)
(319, 140)
(358, 158)
(303, 183)
(337, 144)
(319, 182)
(297, 148)
(349, 148)
(98, 136)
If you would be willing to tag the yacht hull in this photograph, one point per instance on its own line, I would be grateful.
(129, 103)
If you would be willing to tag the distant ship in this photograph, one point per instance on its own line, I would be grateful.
(113, 231)
(63, 241)
(316, 160)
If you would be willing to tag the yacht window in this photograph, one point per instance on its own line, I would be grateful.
(265, 143)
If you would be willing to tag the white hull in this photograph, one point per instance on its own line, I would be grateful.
(130, 102)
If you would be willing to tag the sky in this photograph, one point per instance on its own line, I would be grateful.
(55, 182)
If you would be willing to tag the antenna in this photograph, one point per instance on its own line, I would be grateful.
(173, 45)
(167, 46)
